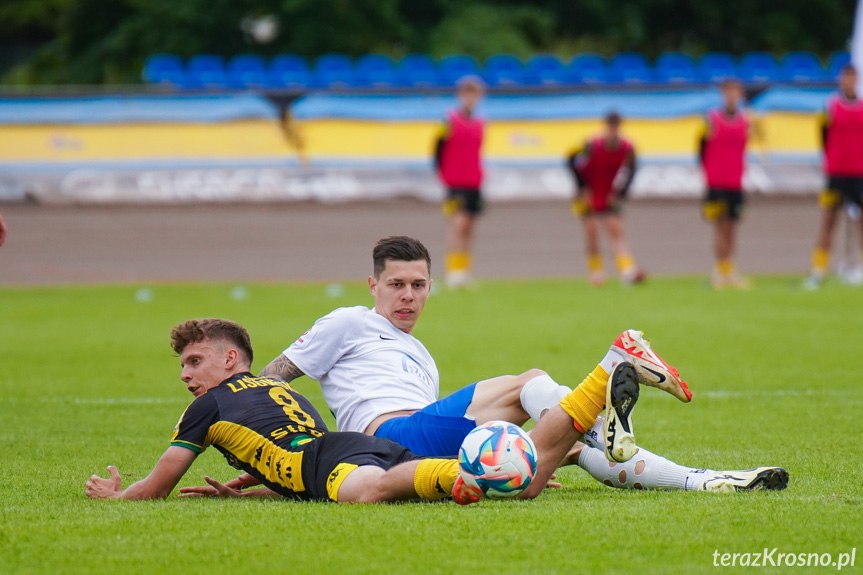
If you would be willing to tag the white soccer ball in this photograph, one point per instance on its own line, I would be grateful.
(499, 458)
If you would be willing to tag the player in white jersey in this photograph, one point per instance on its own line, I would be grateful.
(380, 380)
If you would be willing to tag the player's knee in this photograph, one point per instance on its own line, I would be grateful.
(528, 375)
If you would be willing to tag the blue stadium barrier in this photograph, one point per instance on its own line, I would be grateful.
(758, 68)
(164, 69)
(375, 70)
(675, 68)
(544, 69)
(717, 66)
(205, 71)
(452, 68)
(333, 70)
(801, 67)
(289, 71)
(837, 60)
(247, 71)
(586, 69)
(629, 68)
(417, 70)
(503, 70)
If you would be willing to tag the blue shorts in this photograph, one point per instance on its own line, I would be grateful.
(435, 431)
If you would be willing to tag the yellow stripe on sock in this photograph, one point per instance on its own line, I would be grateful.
(585, 402)
(725, 267)
(434, 478)
(624, 263)
(820, 260)
(594, 263)
(457, 261)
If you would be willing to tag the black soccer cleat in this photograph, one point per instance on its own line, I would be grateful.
(620, 397)
(760, 478)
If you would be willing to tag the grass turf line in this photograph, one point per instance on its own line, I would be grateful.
(88, 380)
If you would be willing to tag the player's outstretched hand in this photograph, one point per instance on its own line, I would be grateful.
(215, 489)
(102, 488)
(551, 483)
(243, 481)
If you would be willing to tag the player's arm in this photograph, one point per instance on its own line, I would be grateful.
(3, 230)
(216, 489)
(440, 142)
(575, 161)
(823, 124)
(629, 165)
(702, 141)
(171, 467)
(281, 368)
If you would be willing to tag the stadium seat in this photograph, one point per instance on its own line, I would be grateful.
(503, 70)
(375, 70)
(801, 67)
(452, 68)
(629, 68)
(586, 69)
(207, 71)
(247, 71)
(544, 69)
(758, 68)
(717, 66)
(164, 69)
(837, 60)
(675, 68)
(417, 70)
(333, 70)
(289, 71)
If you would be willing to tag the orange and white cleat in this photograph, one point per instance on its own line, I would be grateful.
(651, 369)
(464, 493)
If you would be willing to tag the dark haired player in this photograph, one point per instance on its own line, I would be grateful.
(604, 169)
(380, 380)
(722, 151)
(842, 139)
(458, 163)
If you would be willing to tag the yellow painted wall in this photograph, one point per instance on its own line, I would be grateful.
(82, 142)
(350, 139)
(525, 140)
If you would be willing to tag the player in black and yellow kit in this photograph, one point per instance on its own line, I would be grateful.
(265, 428)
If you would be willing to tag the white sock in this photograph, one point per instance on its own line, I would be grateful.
(644, 471)
(611, 359)
(697, 477)
(540, 394)
(593, 437)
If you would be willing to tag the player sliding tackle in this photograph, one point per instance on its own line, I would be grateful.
(267, 429)
(380, 380)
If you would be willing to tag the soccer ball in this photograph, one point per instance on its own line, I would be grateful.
(499, 458)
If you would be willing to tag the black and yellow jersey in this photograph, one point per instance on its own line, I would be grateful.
(260, 425)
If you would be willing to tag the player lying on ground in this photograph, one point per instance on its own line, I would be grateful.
(267, 429)
(379, 379)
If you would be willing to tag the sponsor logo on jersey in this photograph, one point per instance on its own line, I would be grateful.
(412, 366)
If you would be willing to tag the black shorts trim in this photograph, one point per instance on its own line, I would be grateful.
(464, 200)
(850, 188)
(723, 204)
(323, 455)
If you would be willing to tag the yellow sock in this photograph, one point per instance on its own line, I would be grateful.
(624, 263)
(434, 478)
(587, 400)
(594, 263)
(725, 267)
(820, 261)
(457, 262)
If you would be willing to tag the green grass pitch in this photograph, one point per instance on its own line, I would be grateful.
(88, 380)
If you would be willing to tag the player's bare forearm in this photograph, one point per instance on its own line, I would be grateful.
(282, 368)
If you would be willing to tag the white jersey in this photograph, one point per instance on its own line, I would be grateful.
(366, 366)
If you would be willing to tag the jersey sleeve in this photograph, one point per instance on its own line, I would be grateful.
(191, 431)
(319, 349)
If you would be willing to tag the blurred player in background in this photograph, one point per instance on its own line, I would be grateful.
(458, 163)
(604, 169)
(842, 140)
(3, 230)
(722, 151)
